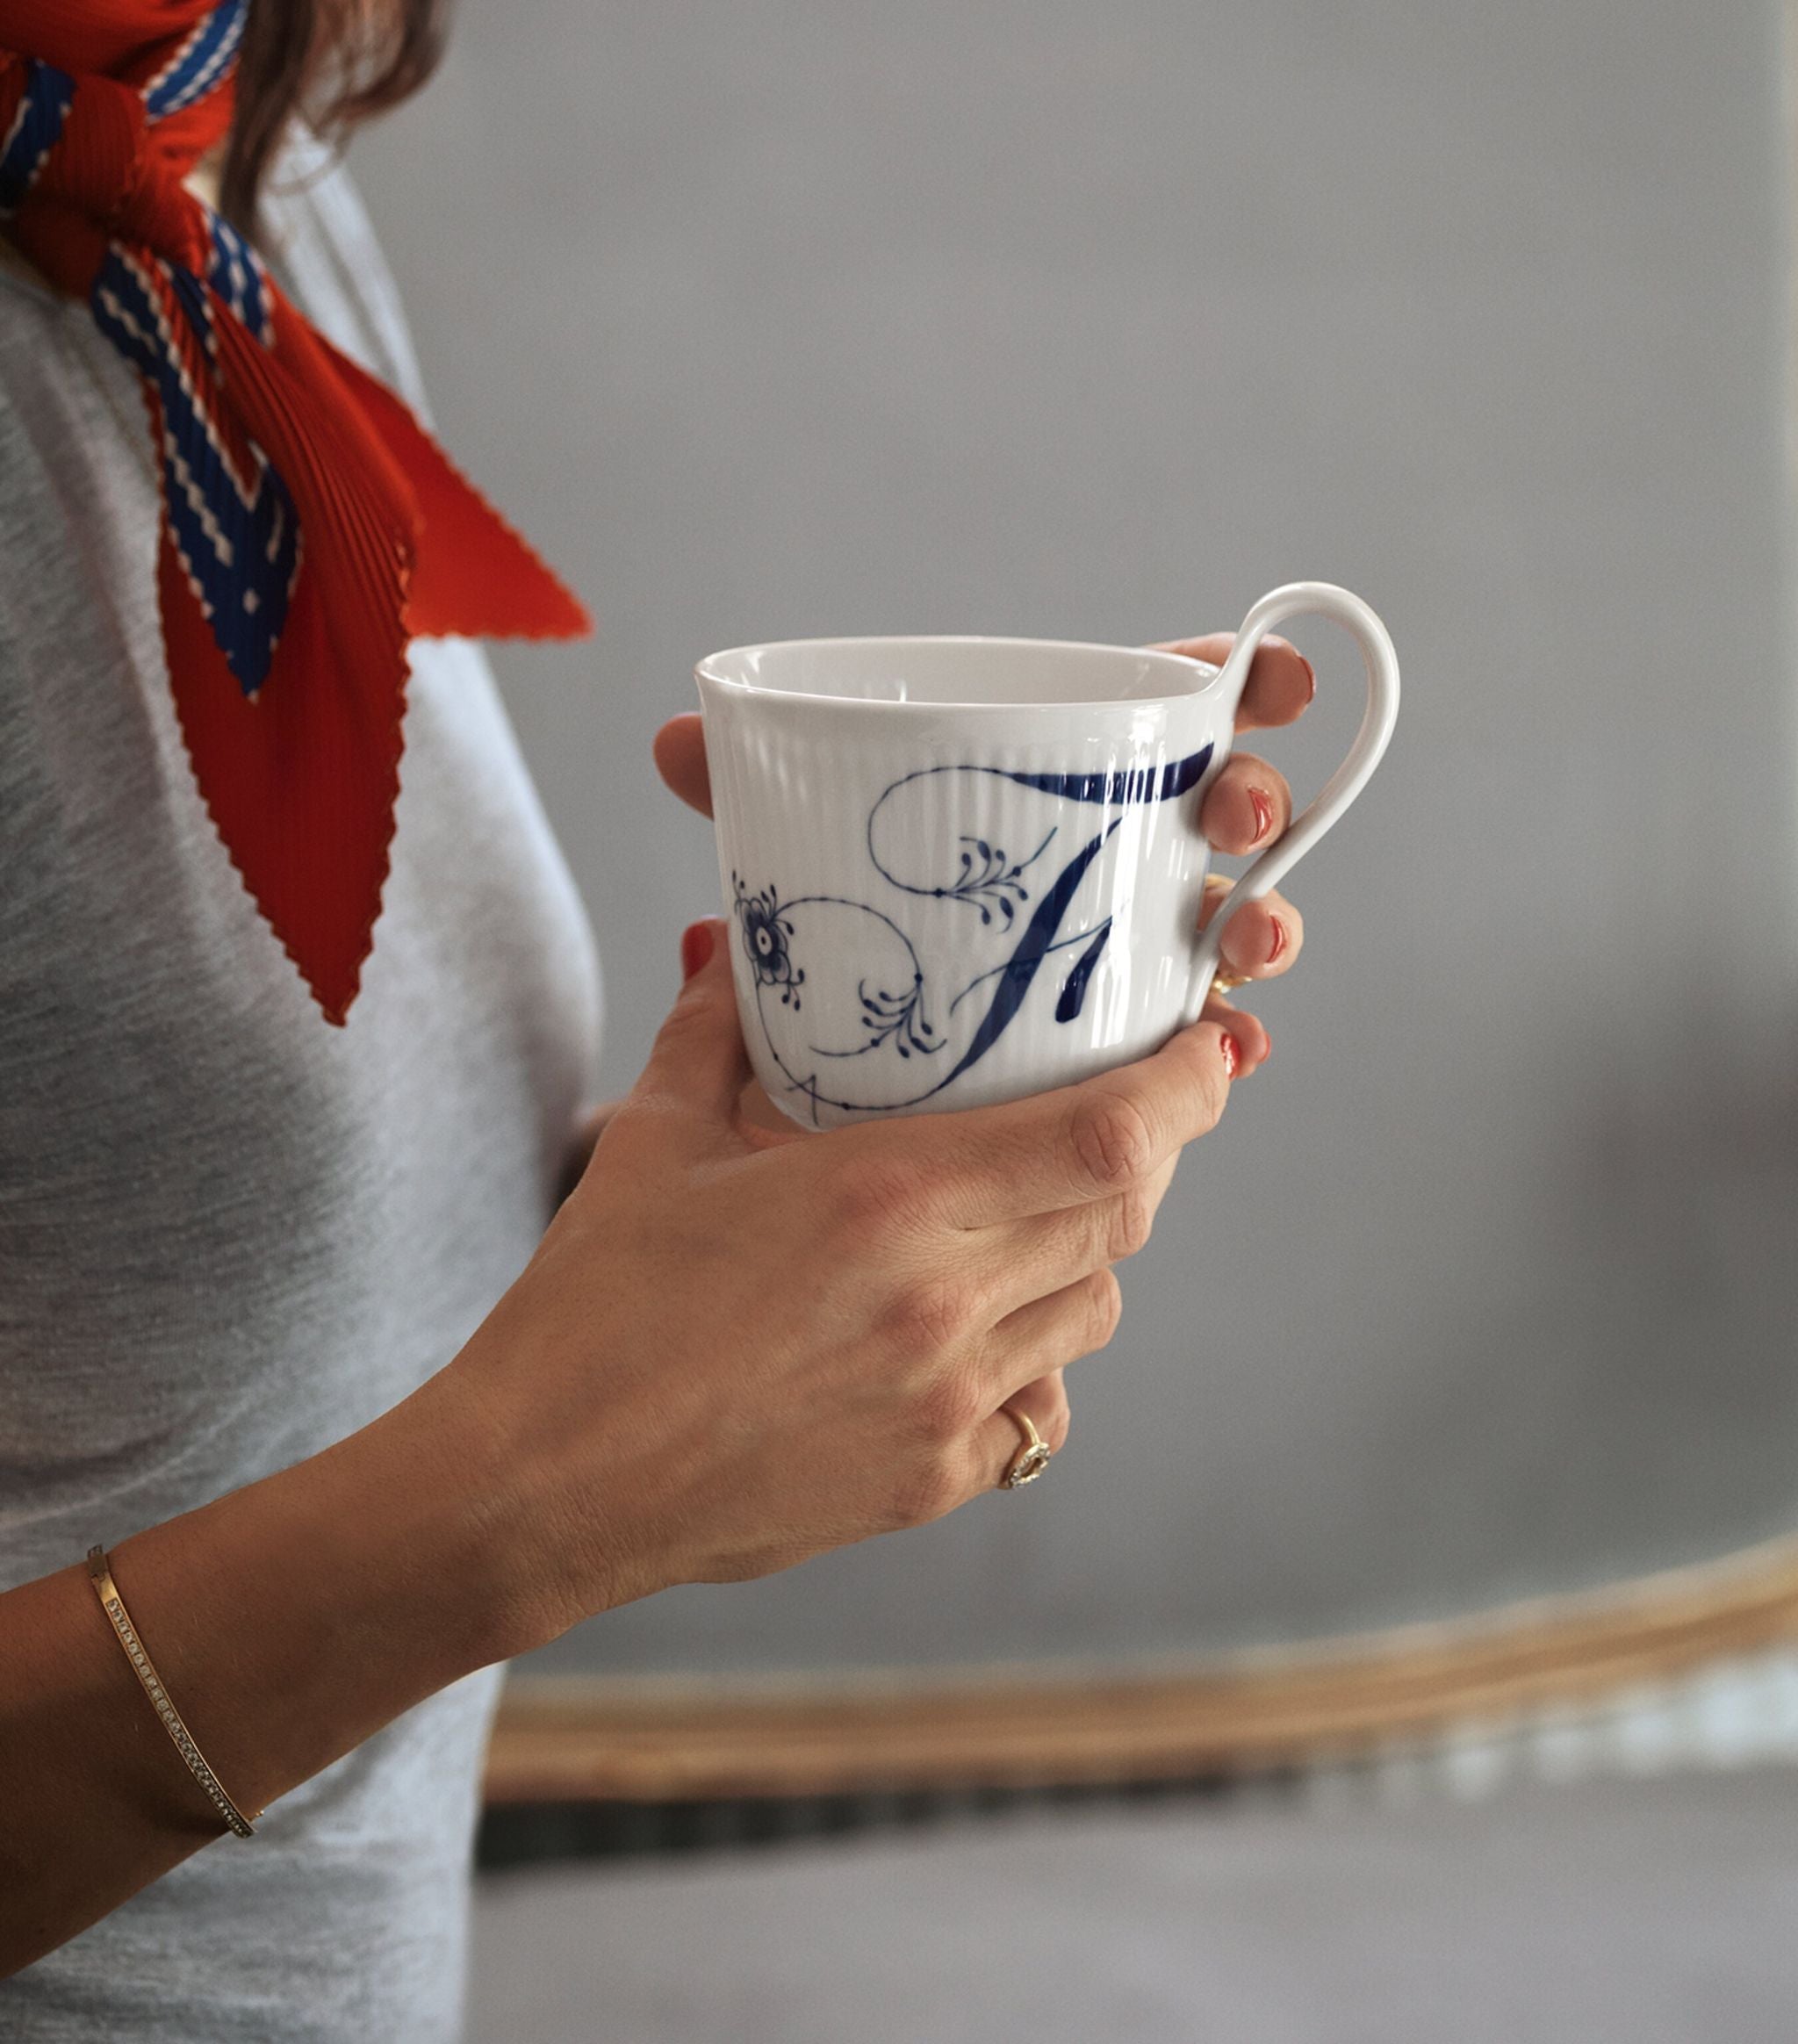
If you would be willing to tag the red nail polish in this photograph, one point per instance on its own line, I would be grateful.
(1279, 942)
(696, 949)
(1310, 676)
(1262, 804)
(1233, 1057)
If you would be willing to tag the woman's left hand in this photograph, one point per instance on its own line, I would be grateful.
(1245, 807)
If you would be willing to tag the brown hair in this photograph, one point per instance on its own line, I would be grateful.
(334, 62)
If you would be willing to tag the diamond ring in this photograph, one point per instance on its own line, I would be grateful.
(1032, 1459)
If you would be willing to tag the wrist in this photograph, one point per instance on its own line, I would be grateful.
(470, 1522)
(556, 1524)
(292, 1618)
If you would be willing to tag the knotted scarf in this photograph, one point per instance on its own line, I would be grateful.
(309, 526)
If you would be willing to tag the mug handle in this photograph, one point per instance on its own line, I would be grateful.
(1325, 599)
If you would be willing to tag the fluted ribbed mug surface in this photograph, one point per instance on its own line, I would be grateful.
(960, 870)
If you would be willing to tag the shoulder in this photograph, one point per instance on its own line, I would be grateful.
(50, 353)
(79, 496)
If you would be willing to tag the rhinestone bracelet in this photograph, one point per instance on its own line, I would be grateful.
(113, 1605)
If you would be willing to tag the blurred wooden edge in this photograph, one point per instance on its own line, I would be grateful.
(570, 1739)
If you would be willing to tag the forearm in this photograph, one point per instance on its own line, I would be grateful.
(289, 1621)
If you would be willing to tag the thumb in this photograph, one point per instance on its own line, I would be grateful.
(679, 752)
(698, 1059)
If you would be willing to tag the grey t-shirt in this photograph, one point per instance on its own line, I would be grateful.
(231, 1233)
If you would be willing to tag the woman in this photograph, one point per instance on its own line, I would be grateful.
(251, 1352)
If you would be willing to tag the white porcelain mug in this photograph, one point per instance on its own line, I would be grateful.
(961, 870)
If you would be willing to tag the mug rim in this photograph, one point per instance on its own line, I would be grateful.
(704, 671)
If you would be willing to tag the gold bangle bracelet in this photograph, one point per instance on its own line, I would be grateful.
(113, 1605)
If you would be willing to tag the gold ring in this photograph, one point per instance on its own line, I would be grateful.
(1225, 982)
(1032, 1459)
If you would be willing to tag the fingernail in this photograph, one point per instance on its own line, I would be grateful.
(696, 949)
(1262, 804)
(1279, 942)
(1310, 676)
(1233, 1057)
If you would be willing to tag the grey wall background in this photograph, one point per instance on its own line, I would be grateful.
(1096, 321)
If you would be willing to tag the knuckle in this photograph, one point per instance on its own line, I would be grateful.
(947, 1407)
(1132, 1221)
(1113, 1139)
(928, 1489)
(1104, 1307)
(933, 1314)
(879, 1198)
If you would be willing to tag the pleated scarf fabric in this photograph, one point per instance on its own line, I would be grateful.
(309, 526)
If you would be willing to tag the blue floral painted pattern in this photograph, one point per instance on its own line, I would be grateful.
(889, 1008)
(765, 935)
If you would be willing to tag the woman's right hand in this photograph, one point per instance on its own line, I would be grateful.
(735, 1348)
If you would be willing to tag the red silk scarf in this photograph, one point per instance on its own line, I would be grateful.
(309, 525)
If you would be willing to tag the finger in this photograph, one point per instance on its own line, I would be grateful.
(1050, 1333)
(1263, 939)
(679, 752)
(1088, 1141)
(1249, 1031)
(1043, 1401)
(999, 1440)
(1248, 805)
(1045, 1252)
(1281, 680)
(698, 1062)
